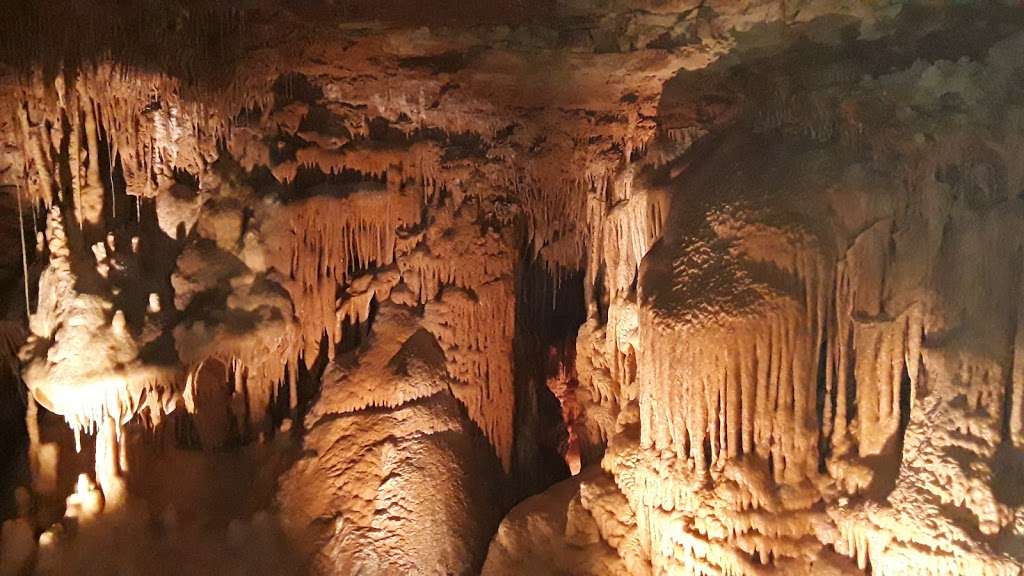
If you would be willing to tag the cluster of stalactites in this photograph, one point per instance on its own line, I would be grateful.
(623, 226)
(147, 127)
(886, 553)
(418, 163)
(871, 358)
(743, 396)
(464, 276)
(475, 330)
(255, 374)
(345, 252)
(754, 399)
(329, 239)
(454, 252)
(555, 211)
(623, 223)
(750, 382)
(740, 385)
(44, 133)
(602, 221)
(736, 524)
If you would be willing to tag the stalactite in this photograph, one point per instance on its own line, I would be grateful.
(1017, 376)
(259, 362)
(35, 153)
(24, 256)
(92, 192)
(868, 352)
(454, 252)
(475, 330)
(71, 117)
(330, 237)
(628, 228)
(752, 393)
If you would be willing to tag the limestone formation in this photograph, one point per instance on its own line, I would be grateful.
(672, 286)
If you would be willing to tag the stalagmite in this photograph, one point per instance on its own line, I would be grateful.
(80, 361)
(562, 383)
(108, 467)
(17, 541)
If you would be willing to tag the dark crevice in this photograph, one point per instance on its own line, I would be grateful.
(823, 401)
(906, 405)
(549, 312)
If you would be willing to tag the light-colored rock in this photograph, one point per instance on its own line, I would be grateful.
(359, 498)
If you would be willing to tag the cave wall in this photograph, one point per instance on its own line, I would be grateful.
(817, 368)
(330, 248)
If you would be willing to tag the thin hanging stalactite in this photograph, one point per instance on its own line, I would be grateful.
(24, 257)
